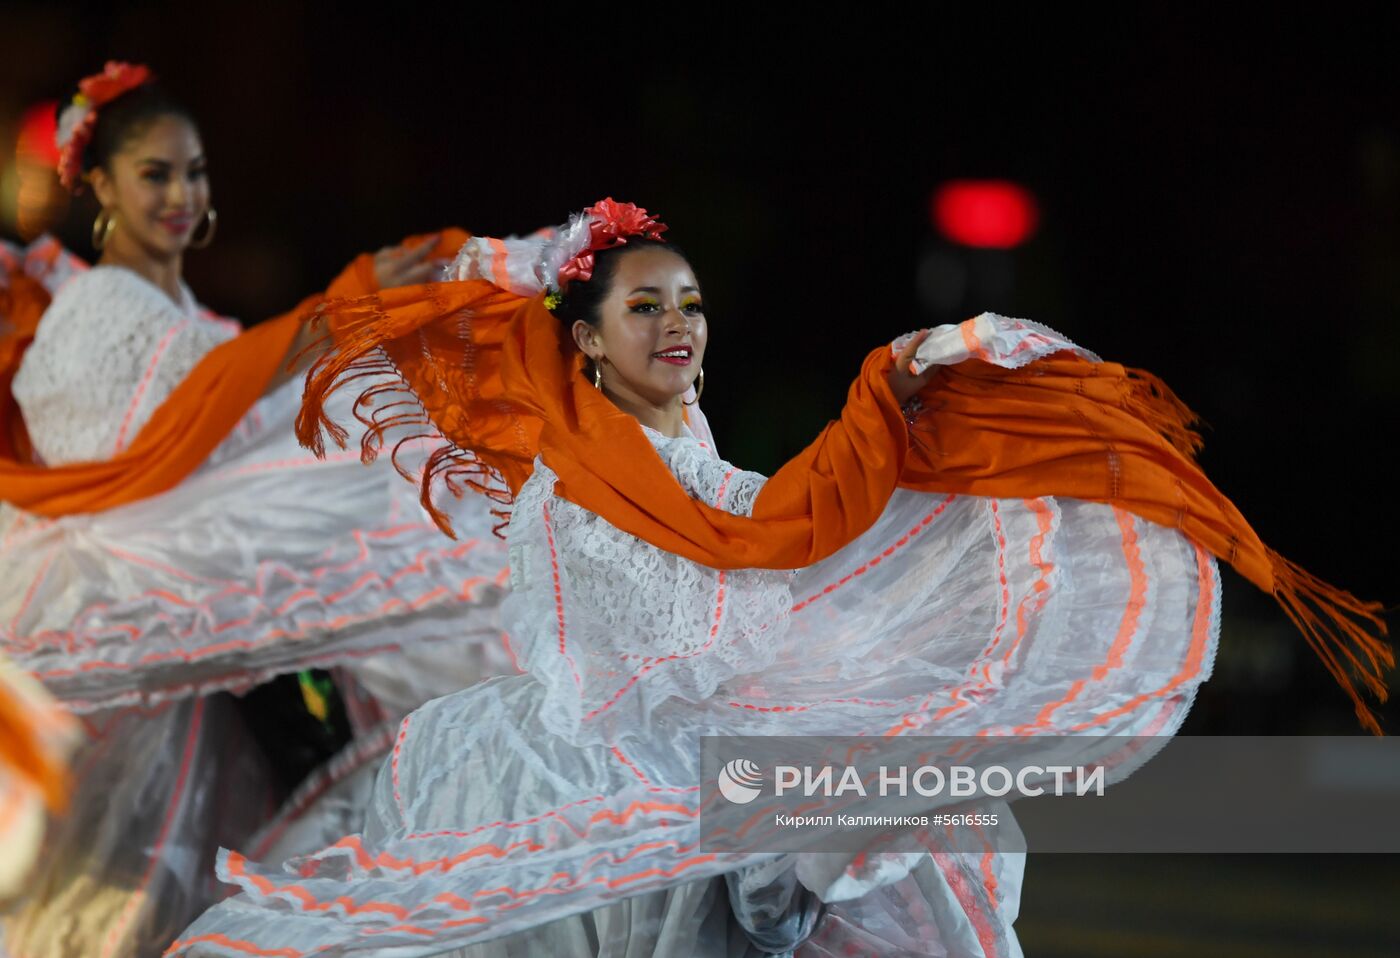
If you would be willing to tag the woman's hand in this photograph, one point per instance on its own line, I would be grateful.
(903, 383)
(404, 266)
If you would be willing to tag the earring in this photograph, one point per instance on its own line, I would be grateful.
(211, 217)
(102, 228)
(597, 374)
(699, 387)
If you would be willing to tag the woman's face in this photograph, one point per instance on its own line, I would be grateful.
(156, 186)
(651, 334)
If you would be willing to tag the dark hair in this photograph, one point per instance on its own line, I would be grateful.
(126, 117)
(582, 300)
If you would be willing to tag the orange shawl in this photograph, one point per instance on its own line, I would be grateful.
(22, 303)
(182, 432)
(32, 728)
(497, 377)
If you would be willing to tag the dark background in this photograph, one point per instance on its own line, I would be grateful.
(1220, 203)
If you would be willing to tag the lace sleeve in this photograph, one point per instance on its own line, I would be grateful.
(108, 351)
(707, 477)
(613, 625)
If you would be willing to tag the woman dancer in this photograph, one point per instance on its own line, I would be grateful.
(1000, 535)
(164, 538)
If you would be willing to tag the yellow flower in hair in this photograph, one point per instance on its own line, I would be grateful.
(553, 299)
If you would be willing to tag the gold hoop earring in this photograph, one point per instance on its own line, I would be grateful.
(597, 374)
(102, 228)
(699, 387)
(211, 216)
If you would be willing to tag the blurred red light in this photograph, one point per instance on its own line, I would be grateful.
(992, 214)
(37, 129)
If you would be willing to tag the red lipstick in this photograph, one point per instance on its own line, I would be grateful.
(676, 355)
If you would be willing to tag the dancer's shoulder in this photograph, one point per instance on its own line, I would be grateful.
(703, 474)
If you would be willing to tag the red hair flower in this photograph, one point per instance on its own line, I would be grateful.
(610, 223)
(76, 122)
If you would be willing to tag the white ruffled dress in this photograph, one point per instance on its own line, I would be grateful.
(557, 812)
(264, 561)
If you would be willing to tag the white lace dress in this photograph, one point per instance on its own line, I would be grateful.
(557, 812)
(263, 561)
(126, 369)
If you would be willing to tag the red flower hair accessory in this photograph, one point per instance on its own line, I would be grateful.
(610, 223)
(76, 122)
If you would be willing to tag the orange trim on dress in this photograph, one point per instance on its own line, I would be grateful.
(145, 382)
